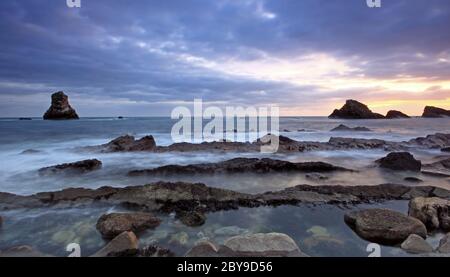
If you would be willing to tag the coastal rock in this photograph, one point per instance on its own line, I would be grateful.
(128, 143)
(439, 168)
(191, 219)
(264, 245)
(400, 161)
(240, 165)
(444, 245)
(437, 140)
(384, 226)
(434, 212)
(434, 112)
(60, 108)
(344, 128)
(76, 167)
(355, 110)
(445, 149)
(30, 151)
(124, 242)
(148, 251)
(203, 249)
(316, 176)
(317, 245)
(111, 225)
(395, 114)
(413, 180)
(1, 221)
(415, 244)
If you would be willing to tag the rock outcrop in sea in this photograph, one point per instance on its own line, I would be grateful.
(60, 108)
(344, 128)
(434, 112)
(76, 167)
(355, 110)
(112, 225)
(395, 114)
(400, 161)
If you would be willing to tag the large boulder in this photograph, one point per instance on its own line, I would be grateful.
(264, 245)
(60, 108)
(415, 244)
(396, 114)
(111, 225)
(444, 245)
(384, 226)
(76, 167)
(355, 110)
(432, 211)
(400, 161)
(124, 242)
(434, 112)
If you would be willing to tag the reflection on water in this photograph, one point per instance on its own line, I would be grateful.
(319, 230)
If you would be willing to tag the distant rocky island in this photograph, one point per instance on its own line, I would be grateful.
(357, 110)
(60, 108)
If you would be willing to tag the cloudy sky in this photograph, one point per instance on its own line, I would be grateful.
(144, 57)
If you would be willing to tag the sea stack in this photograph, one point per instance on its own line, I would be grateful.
(433, 112)
(60, 108)
(396, 114)
(355, 110)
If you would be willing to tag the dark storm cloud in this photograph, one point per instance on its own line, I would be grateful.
(143, 52)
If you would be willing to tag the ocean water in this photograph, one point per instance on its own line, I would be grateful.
(58, 142)
(318, 230)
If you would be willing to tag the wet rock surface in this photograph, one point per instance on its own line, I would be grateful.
(434, 112)
(344, 128)
(241, 165)
(126, 241)
(76, 167)
(111, 225)
(395, 115)
(1, 221)
(384, 226)
(23, 251)
(60, 108)
(440, 168)
(191, 218)
(434, 212)
(175, 197)
(355, 110)
(127, 143)
(400, 161)
(416, 245)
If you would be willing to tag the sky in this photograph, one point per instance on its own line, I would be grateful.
(145, 57)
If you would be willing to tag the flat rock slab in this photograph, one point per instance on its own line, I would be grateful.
(112, 225)
(123, 242)
(384, 226)
(415, 244)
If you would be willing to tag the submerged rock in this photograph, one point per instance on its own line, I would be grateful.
(203, 249)
(437, 140)
(444, 245)
(396, 114)
(30, 151)
(60, 108)
(434, 112)
(434, 212)
(415, 244)
(181, 238)
(23, 251)
(355, 110)
(241, 165)
(148, 251)
(384, 226)
(317, 245)
(191, 219)
(344, 128)
(111, 225)
(76, 167)
(400, 161)
(413, 180)
(123, 242)
(316, 176)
